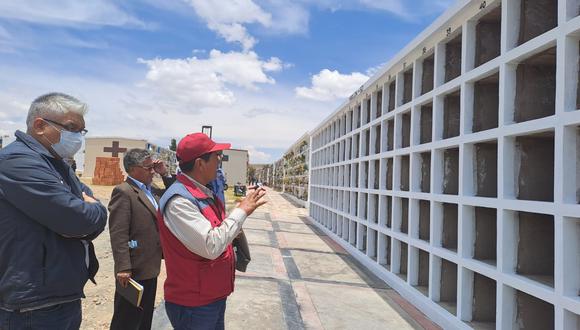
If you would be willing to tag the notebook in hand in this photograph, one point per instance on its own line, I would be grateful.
(133, 292)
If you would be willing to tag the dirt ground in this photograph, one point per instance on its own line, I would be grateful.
(98, 306)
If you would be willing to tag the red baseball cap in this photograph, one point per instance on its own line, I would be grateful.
(194, 145)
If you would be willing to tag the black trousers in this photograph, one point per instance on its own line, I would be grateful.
(126, 316)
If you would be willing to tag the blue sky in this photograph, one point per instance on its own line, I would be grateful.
(262, 72)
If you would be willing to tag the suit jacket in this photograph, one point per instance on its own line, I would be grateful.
(133, 218)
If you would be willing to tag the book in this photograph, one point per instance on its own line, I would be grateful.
(133, 292)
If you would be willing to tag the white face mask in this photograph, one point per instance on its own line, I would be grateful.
(70, 143)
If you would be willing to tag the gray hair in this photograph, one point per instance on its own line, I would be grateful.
(135, 157)
(54, 103)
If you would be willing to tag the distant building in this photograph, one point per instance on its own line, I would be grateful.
(6, 140)
(116, 147)
(235, 166)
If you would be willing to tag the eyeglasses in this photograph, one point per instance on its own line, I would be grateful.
(147, 168)
(83, 131)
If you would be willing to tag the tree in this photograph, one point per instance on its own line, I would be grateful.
(173, 146)
(251, 173)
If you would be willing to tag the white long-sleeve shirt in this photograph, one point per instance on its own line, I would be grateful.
(192, 229)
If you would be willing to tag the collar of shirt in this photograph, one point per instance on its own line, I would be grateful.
(147, 190)
(140, 184)
(203, 188)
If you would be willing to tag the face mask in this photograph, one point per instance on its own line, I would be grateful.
(70, 143)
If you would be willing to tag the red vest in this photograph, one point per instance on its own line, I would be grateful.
(191, 279)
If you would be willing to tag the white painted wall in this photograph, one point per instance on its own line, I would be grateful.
(339, 194)
(236, 168)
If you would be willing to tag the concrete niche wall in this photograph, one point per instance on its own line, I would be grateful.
(386, 256)
(486, 104)
(448, 286)
(535, 258)
(424, 220)
(536, 167)
(423, 273)
(451, 171)
(485, 245)
(403, 257)
(390, 135)
(484, 302)
(454, 174)
(487, 35)
(389, 176)
(406, 130)
(486, 169)
(427, 74)
(450, 225)
(426, 124)
(536, 17)
(379, 106)
(533, 313)
(578, 87)
(536, 87)
(407, 86)
(392, 94)
(425, 172)
(402, 224)
(453, 58)
(404, 173)
(451, 115)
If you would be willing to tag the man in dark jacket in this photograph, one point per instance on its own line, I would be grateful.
(47, 220)
(134, 237)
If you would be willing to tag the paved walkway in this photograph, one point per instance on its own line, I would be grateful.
(300, 279)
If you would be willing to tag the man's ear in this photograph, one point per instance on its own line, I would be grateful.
(198, 163)
(38, 126)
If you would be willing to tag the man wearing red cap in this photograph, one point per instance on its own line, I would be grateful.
(196, 238)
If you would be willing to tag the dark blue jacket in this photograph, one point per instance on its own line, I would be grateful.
(44, 225)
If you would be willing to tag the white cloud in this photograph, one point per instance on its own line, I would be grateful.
(255, 112)
(231, 18)
(407, 10)
(14, 111)
(23, 38)
(68, 12)
(205, 83)
(186, 82)
(374, 69)
(331, 85)
(227, 18)
(124, 109)
(394, 6)
(257, 156)
(288, 17)
(6, 41)
(4, 34)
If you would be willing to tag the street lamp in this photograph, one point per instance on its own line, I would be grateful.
(206, 130)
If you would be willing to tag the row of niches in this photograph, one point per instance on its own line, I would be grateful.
(534, 77)
(535, 90)
(438, 278)
(528, 172)
(438, 224)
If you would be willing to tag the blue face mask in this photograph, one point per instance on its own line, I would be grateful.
(70, 143)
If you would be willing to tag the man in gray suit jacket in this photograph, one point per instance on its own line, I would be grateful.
(135, 238)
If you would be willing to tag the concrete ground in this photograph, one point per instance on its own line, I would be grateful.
(300, 279)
